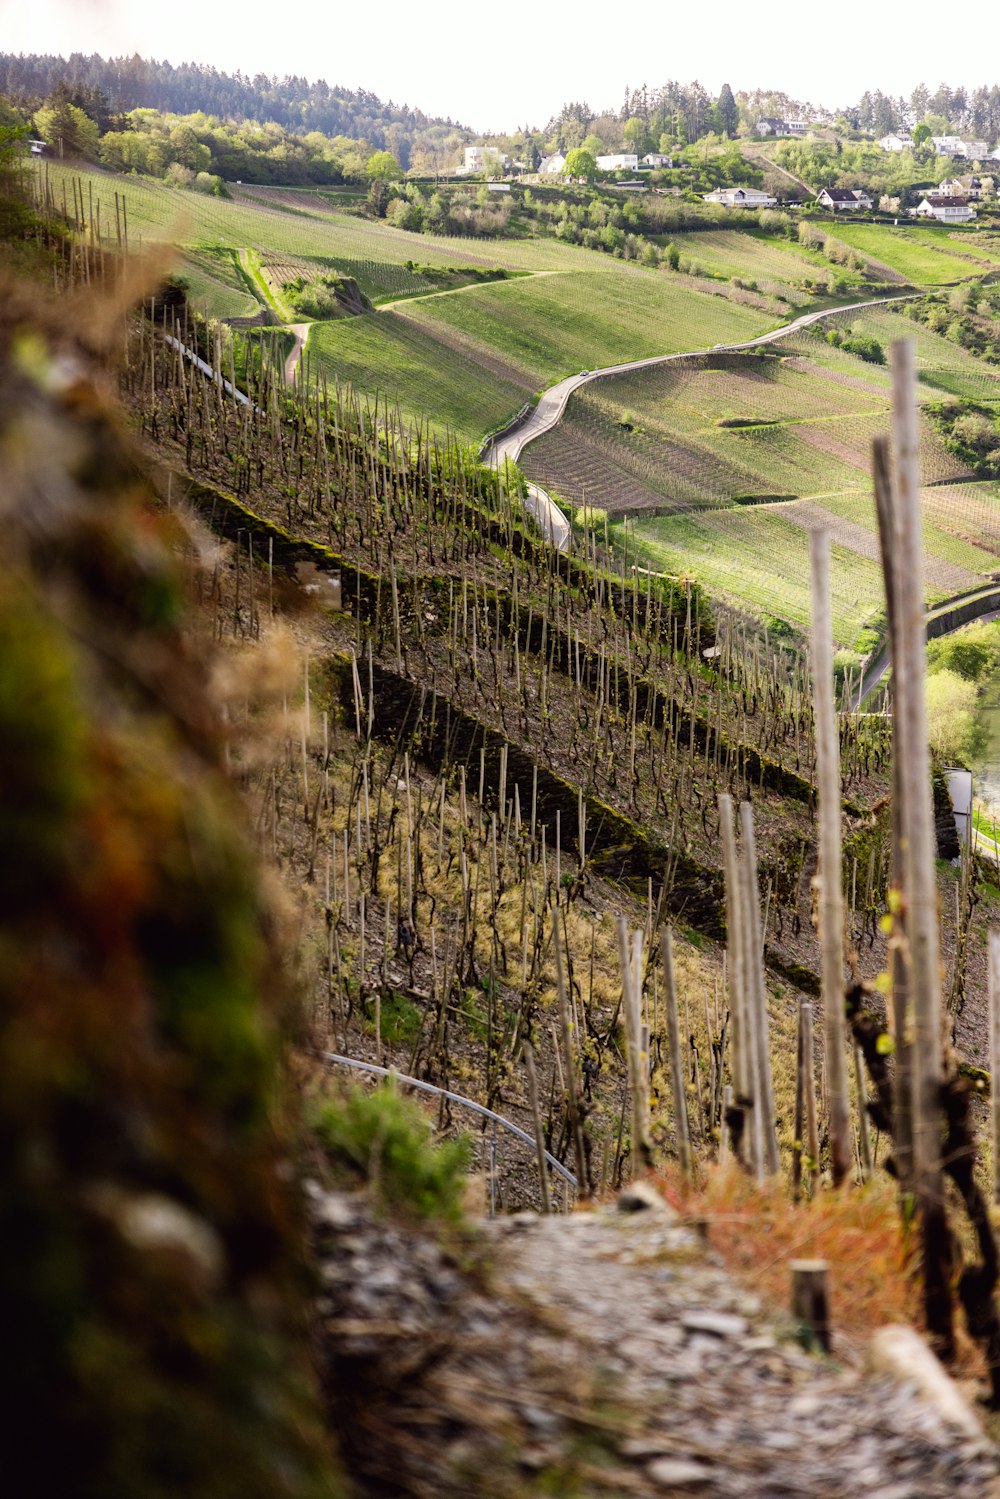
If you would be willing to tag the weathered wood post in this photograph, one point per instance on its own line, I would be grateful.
(899, 1019)
(739, 1050)
(811, 1299)
(831, 906)
(994, 974)
(536, 1115)
(918, 849)
(765, 1134)
(676, 1072)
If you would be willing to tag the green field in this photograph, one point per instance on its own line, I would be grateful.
(390, 355)
(925, 255)
(778, 267)
(605, 312)
(757, 558)
(788, 436)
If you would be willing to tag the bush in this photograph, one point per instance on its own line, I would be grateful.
(381, 1140)
(951, 717)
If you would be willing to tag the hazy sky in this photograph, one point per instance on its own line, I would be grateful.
(494, 68)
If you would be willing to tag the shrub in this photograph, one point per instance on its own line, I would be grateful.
(381, 1140)
(951, 717)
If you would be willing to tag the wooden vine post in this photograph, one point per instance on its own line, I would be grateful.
(916, 823)
(768, 1161)
(676, 1065)
(994, 979)
(630, 951)
(831, 903)
(741, 1107)
(899, 1022)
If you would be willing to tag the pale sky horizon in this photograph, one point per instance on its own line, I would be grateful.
(493, 76)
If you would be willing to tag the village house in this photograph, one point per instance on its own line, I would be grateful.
(953, 145)
(895, 142)
(770, 126)
(740, 197)
(626, 161)
(947, 210)
(843, 199)
(483, 159)
(551, 166)
(656, 159)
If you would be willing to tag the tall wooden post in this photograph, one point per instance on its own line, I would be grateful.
(831, 906)
(676, 1066)
(918, 847)
(765, 1134)
(900, 1017)
(995, 1056)
(742, 1085)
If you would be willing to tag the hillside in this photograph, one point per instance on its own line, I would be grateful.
(190, 88)
(491, 779)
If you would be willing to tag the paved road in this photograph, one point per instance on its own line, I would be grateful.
(553, 403)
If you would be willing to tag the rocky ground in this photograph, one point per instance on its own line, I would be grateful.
(604, 1353)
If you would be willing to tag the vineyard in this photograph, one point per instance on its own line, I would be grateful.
(923, 254)
(728, 460)
(553, 821)
(775, 266)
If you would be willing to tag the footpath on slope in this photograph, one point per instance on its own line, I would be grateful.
(301, 332)
(606, 1353)
(511, 443)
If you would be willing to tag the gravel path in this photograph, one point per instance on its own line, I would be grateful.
(604, 1353)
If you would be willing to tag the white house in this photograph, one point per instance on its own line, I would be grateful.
(552, 165)
(895, 142)
(482, 159)
(740, 197)
(948, 145)
(843, 199)
(953, 145)
(657, 159)
(626, 161)
(770, 126)
(948, 210)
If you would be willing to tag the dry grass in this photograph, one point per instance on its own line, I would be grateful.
(759, 1230)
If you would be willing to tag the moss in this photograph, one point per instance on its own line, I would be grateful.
(151, 1290)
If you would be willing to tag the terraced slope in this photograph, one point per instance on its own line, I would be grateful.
(725, 463)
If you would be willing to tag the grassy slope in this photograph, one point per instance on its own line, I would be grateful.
(778, 266)
(926, 256)
(388, 354)
(606, 313)
(816, 410)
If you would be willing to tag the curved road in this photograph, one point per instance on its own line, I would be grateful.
(510, 445)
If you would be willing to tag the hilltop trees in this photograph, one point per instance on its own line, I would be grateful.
(67, 129)
(727, 111)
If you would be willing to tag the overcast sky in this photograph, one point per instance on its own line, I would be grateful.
(494, 69)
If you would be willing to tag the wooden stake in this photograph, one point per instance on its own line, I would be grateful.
(994, 979)
(831, 896)
(536, 1114)
(673, 1032)
(918, 843)
(769, 1160)
(811, 1299)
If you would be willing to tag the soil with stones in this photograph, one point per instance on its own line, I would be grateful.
(603, 1353)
